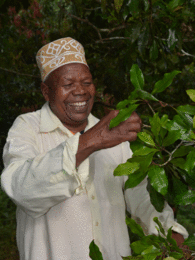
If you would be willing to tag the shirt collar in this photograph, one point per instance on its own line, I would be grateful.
(49, 121)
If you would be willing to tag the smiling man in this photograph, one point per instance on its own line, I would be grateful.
(59, 164)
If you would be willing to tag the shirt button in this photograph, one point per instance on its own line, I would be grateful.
(93, 197)
(96, 224)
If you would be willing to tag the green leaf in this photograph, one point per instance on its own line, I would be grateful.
(191, 94)
(182, 151)
(118, 4)
(151, 253)
(171, 41)
(185, 198)
(145, 95)
(187, 119)
(174, 4)
(172, 137)
(135, 179)
(134, 32)
(179, 162)
(154, 50)
(176, 255)
(190, 241)
(169, 258)
(126, 168)
(143, 39)
(156, 198)
(123, 115)
(135, 228)
(94, 251)
(161, 85)
(139, 246)
(136, 77)
(133, 257)
(122, 104)
(146, 138)
(163, 120)
(158, 179)
(187, 109)
(194, 122)
(144, 150)
(169, 237)
(155, 124)
(190, 162)
(159, 225)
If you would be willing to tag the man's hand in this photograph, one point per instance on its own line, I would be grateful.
(100, 137)
(178, 237)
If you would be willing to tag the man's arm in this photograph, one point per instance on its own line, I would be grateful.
(100, 137)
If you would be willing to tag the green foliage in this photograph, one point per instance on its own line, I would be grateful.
(164, 150)
(152, 247)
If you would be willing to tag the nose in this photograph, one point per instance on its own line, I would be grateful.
(79, 89)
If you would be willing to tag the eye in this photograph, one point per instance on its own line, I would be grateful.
(67, 85)
(87, 83)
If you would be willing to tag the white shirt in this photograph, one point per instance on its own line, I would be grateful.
(60, 210)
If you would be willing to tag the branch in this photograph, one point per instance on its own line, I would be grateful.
(18, 73)
(187, 54)
(170, 157)
(113, 38)
(87, 21)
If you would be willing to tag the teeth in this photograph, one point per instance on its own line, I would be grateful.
(78, 104)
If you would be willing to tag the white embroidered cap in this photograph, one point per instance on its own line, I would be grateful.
(58, 53)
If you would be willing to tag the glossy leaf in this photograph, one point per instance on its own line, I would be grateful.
(155, 124)
(185, 198)
(134, 7)
(187, 119)
(176, 255)
(179, 162)
(123, 115)
(135, 228)
(95, 253)
(118, 4)
(135, 179)
(146, 138)
(194, 122)
(190, 162)
(161, 85)
(172, 137)
(169, 237)
(139, 246)
(191, 94)
(156, 198)
(126, 168)
(182, 151)
(151, 253)
(136, 77)
(164, 120)
(155, 219)
(144, 150)
(158, 179)
(122, 104)
(187, 109)
(145, 95)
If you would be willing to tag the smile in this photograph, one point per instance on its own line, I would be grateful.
(78, 104)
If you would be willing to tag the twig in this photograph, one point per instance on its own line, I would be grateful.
(170, 157)
(18, 73)
(87, 21)
(114, 38)
(150, 106)
(187, 54)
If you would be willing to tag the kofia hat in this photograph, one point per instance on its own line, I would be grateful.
(58, 53)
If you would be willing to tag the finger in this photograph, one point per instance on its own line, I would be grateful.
(132, 136)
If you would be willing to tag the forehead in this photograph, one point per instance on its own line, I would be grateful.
(72, 70)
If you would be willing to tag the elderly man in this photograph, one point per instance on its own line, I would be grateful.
(59, 164)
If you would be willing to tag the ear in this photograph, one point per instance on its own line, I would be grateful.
(45, 91)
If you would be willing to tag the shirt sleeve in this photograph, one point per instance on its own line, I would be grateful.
(142, 211)
(37, 181)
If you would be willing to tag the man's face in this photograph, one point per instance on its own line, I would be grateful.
(70, 92)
